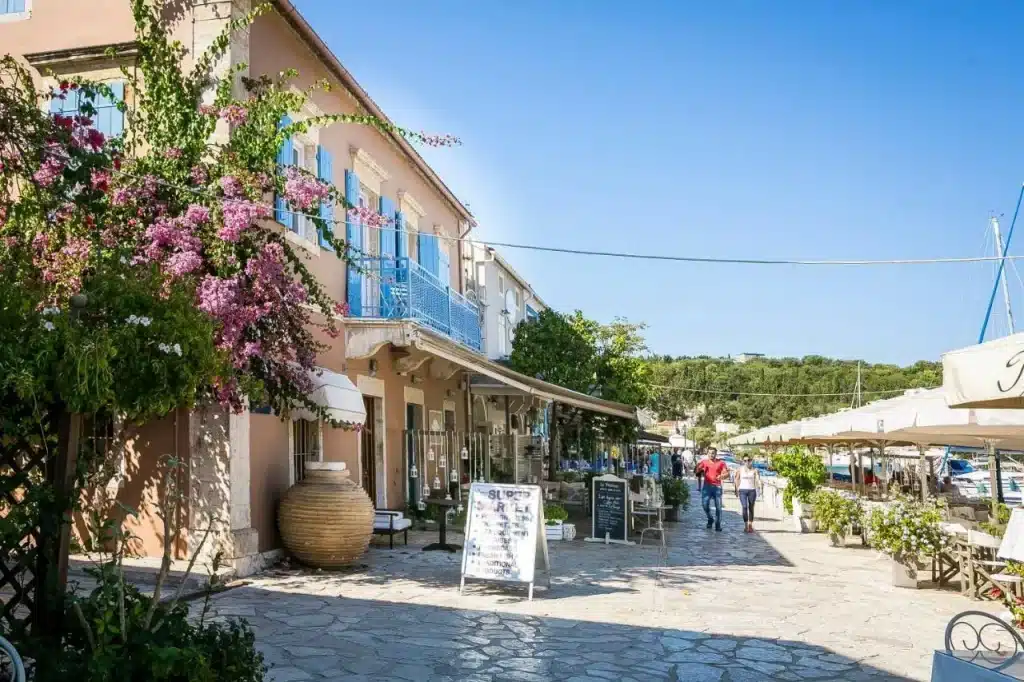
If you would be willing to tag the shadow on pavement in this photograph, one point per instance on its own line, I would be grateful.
(305, 636)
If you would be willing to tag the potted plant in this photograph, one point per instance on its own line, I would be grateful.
(676, 494)
(909, 532)
(837, 514)
(554, 516)
(804, 473)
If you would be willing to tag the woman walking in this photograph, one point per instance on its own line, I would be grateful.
(747, 481)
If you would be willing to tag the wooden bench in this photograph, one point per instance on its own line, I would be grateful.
(389, 523)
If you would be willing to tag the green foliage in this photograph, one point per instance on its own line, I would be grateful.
(803, 469)
(836, 513)
(580, 354)
(112, 636)
(702, 436)
(676, 492)
(907, 530)
(554, 512)
(997, 526)
(809, 375)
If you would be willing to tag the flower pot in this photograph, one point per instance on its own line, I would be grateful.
(568, 531)
(675, 514)
(325, 519)
(910, 576)
(553, 530)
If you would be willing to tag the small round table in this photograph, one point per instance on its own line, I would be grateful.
(442, 544)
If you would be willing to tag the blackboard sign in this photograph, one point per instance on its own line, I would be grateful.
(609, 508)
(504, 534)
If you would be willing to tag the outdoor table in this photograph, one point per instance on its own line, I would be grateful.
(948, 667)
(442, 543)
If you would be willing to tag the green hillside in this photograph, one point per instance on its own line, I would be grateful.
(809, 375)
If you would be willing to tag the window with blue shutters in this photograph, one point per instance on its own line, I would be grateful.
(12, 6)
(284, 158)
(354, 237)
(108, 118)
(325, 171)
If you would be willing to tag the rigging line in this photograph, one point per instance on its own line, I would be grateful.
(650, 256)
(787, 395)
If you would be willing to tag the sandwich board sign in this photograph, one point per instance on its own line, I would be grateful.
(609, 510)
(505, 536)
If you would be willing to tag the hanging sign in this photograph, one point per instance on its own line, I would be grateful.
(505, 535)
(609, 510)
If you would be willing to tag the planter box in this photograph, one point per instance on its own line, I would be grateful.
(568, 531)
(908, 577)
(554, 530)
(803, 521)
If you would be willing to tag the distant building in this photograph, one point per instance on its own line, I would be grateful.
(747, 357)
(726, 428)
(505, 298)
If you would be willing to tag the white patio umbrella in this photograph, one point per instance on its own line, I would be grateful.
(987, 375)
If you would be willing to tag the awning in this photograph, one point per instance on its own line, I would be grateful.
(521, 382)
(986, 375)
(648, 438)
(337, 395)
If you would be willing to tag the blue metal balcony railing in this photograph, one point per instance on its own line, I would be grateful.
(399, 288)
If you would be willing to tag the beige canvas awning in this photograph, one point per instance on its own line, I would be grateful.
(986, 375)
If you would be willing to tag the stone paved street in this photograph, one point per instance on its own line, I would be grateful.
(711, 607)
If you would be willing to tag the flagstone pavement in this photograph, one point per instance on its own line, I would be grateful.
(710, 607)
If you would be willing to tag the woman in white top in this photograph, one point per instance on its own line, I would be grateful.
(747, 481)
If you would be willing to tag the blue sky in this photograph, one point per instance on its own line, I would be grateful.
(826, 129)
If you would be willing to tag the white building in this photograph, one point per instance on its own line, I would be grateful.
(505, 298)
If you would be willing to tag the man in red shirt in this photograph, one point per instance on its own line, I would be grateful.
(714, 471)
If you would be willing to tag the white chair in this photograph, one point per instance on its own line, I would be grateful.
(388, 523)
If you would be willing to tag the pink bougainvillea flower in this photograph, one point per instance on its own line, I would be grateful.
(239, 215)
(48, 173)
(304, 191)
(231, 186)
(235, 114)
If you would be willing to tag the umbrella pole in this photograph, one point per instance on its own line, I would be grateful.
(993, 478)
(922, 473)
(885, 471)
(830, 474)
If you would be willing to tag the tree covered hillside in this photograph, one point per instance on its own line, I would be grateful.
(716, 384)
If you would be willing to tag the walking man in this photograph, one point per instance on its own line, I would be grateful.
(712, 470)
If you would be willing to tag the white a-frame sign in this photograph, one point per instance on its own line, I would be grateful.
(505, 536)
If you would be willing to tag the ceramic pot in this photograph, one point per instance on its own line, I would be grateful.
(325, 520)
(912, 576)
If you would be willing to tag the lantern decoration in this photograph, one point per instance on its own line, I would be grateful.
(437, 483)
(430, 454)
(414, 472)
(442, 463)
(426, 489)
(454, 478)
(421, 505)
(465, 453)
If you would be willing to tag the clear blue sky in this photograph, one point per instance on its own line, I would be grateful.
(812, 129)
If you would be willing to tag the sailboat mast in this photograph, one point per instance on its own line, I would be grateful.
(1002, 274)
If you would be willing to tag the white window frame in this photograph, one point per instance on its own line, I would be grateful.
(18, 16)
(304, 157)
(291, 447)
(501, 287)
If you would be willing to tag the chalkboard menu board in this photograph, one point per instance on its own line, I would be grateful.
(609, 509)
(504, 531)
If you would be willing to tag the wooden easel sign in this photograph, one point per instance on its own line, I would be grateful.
(609, 510)
(505, 535)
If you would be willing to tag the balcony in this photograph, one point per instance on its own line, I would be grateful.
(400, 289)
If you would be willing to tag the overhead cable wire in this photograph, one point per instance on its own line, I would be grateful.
(646, 256)
(786, 395)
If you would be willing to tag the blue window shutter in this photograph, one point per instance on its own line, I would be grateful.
(284, 158)
(110, 119)
(422, 249)
(386, 235)
(435, 256)
(388, 273)
(401, 238)
(325, 171)
(354, 237)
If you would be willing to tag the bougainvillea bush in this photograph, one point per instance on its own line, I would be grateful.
(144, 273)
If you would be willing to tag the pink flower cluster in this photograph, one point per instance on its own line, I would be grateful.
(61, 266)
(366, 216)
(173, 153)
(302, 190)
(264, 295)
(231, 186)
(172, 242)
(235, 114)
(239, 215)
(49, 171)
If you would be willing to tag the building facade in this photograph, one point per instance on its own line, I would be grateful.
(413, 345)
(504, 296)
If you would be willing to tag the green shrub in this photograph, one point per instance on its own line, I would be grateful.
(554, 512)
(804, 471)
(908, 530)
(115, 633)
(676, 492)
(836, 514)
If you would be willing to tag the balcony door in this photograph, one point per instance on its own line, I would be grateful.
(368, 449)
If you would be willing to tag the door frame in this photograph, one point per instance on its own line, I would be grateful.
(374, 388)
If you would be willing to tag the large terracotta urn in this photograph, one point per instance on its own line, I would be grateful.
(326, 520)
